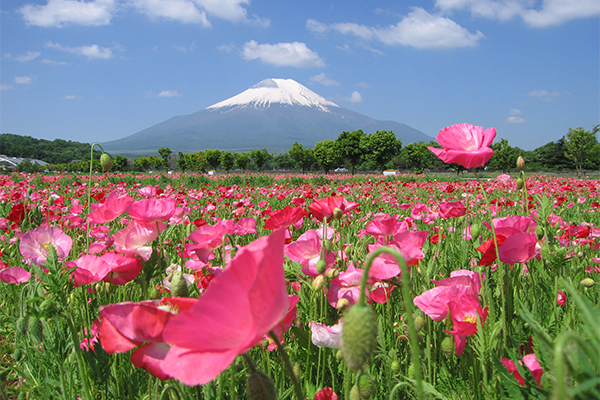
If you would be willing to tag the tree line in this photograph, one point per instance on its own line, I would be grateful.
(355, 151)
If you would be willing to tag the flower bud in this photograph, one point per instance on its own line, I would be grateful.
(366, 386)
(333, 273)
(520, 183)
(475, 231)
(587, 282)
(179, 286)
(539, 232)
(337, 213)
(447, 346)
(36, 330)
(520, 162)
(297, 370)
(359, 336)
(154, 294)
(342, 304)
(321, 266)
(411, 371)
(318, 282)
(395, 367)
(105, 162)
(260, 387)
(354, 393)
(419, 323)
(22, 325)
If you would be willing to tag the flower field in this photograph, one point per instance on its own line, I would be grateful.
(261, 286)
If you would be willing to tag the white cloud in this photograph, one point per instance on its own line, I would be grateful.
(52, 62)
(545, 95)
(24, 80)
(355, 97)
(323, 80)
(29, 56)
(59, 13)
(513, 119)
(550, 13)
(231, 10)
(364, 85)
(515, 111)
(169, 93)
(184, 49)
(294, 54)
(418, 29)
(69, 97)
(91, 52)
(5, 87)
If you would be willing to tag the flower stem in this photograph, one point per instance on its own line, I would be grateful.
(288, 366)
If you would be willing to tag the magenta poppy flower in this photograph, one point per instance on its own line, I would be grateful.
(326, 336)
(452, 209)
(284, 217)
(307, 250)
(531, 363)
(89, 269)
(465, 144)
(132, 239)
(323, 208)
(207, 238)
(285, 324)
(122, 269)
(14, 275)
(113, 207)
(34, 246)
(152, 210)
(241, 305)
(346, 286)
(326, 393)
(561, 298)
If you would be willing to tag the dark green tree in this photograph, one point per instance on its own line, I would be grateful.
(242, 160)
(382, 147)
(227, 160)
(504, 158)
(352, 146)
(165, 152)
(417, 156)
(582, 148)
(213, 157)
(302, 156)
(260, 158)
(120, 163)
(328, 155)
(283, 161)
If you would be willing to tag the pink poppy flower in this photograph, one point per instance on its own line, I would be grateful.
(286, 323)
(346, 286)
(561, 298)
(241, 305)
(113, 207)
(91, 338)
(132, 239)
(307, 250)
(517, 241)
(531, 363)
(452, 209)
(326, 393)
(14, 275)
(207, 238)
(35, 244)
(126, 326)
(284, 217)
(89, 269)
(326, 336)
(323, 208)
(152, 210)
(465, 144)
(122, 269)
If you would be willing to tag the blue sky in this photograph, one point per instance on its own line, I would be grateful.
(98, 70)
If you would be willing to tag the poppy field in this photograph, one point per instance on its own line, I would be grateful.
(265, 286)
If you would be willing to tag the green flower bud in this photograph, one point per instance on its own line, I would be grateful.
(395, 367)
(36, 330)
(179, 286)
(342, 304)
(359, 336)
(337, 213)
(327, 244)
(366, 386)
(447, 346)
(22, 325)
(333, 273)
(520, 162)
(318, 282)
(260, 387)
(587, 282)
(154, 294)
(321, 266)
(105, 162)
(48, 307)
(419, 322)
(17, 354)
(297, 370)
(475, 231)
(339, 355)
(411, 371)
(520, 183)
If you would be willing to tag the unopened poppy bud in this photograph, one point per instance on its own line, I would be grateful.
(354, 393)
(366, 386)
(333, 273)
(99, 287)
(520, 162)
(339, 355)
(22, 325)
(587, 282)
(36, 330)
(318, 282)
(260, 387)
(17, 354)
(395, 367)
(48, 307)
(154, 294)
(321, 266)
(337, 213)
(105, 162)
(419, 322)
(475, 231)
(342, 304)
(359, 336)
(520, 183)
(327, 244)
(348, 251)
(297, 370)
(447, 346)
(179, 286)
(411, 371)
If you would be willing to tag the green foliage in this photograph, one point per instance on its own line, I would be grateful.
(582, 148)
(303, 156)
(382, 147)
(57, 151)
(242, 160)
(328, 155)
(261, 158)
(165, 152)
(352, 147)
(504, 158)
(227, 160)
(213, 157)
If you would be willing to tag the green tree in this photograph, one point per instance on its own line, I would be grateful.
(242, 160)
(504, 158)
(327, 154)
(302, 156)
(582, 148)
(165, 152)
(417, 156)
(213, 157)
(382, 147)
(352, 146)
(227, 160)
(120, 163)
(260, 158)
(283, 161)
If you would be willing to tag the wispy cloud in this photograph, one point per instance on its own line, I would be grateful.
(549, 13)
(24, 80)
(53, 62)
(294, 54)
(169, 93)
(323, 80)
(545, 95)
(70, 97)
(92, 52)
(5, 87)
(60, 13)
(29, 56)
(417, 29)
(514, 119)
(355, 97)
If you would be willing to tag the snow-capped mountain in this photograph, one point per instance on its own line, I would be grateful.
(273, 114)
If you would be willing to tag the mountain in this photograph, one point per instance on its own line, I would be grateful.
(273, 114)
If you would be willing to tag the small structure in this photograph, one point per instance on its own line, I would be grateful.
(389, 172)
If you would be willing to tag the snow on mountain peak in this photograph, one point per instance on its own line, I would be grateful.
(276, 91)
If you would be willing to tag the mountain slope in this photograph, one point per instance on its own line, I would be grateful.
(271, 114)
